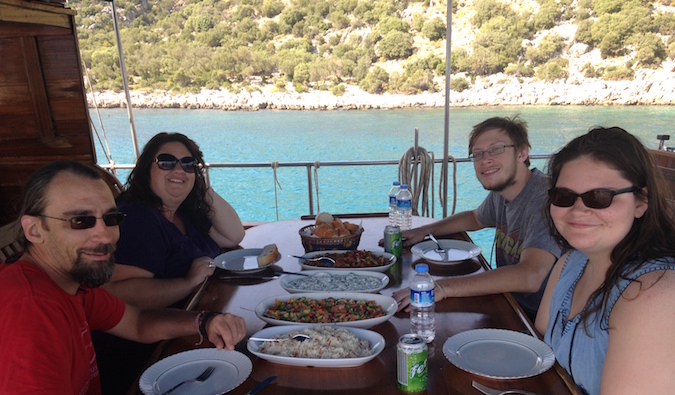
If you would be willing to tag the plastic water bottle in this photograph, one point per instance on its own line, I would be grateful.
(422, 317)
(404, 208)
(392, 202)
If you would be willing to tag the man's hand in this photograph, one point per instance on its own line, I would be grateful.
(226, 330)
(402, 297)
(413, 236)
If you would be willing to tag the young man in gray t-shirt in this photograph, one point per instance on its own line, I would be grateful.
(525, 250)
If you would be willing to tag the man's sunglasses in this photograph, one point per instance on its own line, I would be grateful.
(169, 162)
(595, 198)
(89, 221)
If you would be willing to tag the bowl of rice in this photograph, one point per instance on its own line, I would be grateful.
(328, 346)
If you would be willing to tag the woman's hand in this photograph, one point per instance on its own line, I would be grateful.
(200, 270)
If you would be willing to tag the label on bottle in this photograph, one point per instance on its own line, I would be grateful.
(422, 298)
(392, 200)
(404, 204)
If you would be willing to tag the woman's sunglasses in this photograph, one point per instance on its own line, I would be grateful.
(595, 198)
(169, 162)
(89, 221)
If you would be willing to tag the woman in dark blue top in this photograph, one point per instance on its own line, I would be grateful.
(175, 226)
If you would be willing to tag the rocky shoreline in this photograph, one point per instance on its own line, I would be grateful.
(649, 87)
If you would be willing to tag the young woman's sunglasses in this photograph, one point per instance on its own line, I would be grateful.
(169, 162)
(89, 221)
(595, 198)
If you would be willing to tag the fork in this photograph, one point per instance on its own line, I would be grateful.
(202, 377)
(325, 259)
(492, 391)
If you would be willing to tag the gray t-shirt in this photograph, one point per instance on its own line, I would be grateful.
(520, 224)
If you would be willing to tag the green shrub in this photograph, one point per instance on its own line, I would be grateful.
(393, 23)
(271, 8)
(615, 73)
(553, 70)
(651, 51)
(591, 72)
(583, 33)
(376, 81)
(338, 90)
(459, 84)
(417, 21)
(434, 29)
(671, 50)
(519, 70)
(611, 45)
(396, 45)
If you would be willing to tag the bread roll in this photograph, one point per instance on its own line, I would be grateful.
(324, 218)
(323, 230)
(268, 255)
(351, 227)
(342, 232)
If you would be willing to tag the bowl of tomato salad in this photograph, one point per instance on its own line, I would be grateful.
(357, 310)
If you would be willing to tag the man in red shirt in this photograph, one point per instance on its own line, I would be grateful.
(50, 297)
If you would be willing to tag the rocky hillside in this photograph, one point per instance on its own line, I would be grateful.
(380, 54)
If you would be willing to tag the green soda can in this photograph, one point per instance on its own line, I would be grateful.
(411, 363)
(393, 243)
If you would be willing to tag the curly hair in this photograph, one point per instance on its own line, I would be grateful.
(138, 189)
(651, 236)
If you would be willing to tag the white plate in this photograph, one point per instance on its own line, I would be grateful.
(244, 260)
(376, 341)
(384, 268)
(387, 302)
(325, 275)
(498, 353)
(457, 251)
(232, 368)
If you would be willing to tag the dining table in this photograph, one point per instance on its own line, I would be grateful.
(378, 376)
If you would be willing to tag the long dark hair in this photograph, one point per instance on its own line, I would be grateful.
(651, 236)
(195, 206)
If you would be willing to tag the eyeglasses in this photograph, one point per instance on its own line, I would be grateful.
(595, 198)
(494, 151)
(89, 221)
(169, 162)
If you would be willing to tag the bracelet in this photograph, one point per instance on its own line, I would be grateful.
(440, 288)
(201, 320)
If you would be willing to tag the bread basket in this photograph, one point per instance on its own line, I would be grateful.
(313, 243)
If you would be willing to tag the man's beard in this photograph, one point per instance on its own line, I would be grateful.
(94, 273)
(504, 184)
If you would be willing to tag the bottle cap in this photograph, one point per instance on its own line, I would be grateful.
(404, 186)
(397, 182)
(422, 268)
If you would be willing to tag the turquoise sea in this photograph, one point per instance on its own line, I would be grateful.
(310, 136)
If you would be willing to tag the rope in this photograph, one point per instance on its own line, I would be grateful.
(106, 149)
(416, 168)
(316, 185)
(417, 179)
(275, 166)
(441, 184)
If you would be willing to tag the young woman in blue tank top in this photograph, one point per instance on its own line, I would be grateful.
(608, 311)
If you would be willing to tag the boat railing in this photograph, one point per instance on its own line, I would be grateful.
(309, 167)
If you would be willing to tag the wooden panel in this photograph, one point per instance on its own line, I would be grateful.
(42, 99)
(665, 161)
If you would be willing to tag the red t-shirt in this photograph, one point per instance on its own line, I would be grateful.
(45, 339)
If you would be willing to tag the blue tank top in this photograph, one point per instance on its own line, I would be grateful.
(583, 354)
